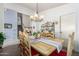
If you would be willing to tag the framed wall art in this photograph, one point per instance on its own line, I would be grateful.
(7, 26)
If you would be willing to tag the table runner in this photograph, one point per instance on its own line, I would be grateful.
(50, 42)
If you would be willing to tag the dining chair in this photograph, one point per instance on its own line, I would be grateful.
(70, 47)
(25, 45)
(21, 42)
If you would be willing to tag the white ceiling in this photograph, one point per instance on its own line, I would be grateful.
(42, 6)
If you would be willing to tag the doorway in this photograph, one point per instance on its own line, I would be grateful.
(19, 23)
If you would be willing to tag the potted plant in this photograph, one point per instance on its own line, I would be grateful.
(2, 38)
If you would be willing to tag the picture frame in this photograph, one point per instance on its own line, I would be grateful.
(7, 26)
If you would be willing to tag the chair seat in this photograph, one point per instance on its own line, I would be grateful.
(34, 52)
(61, 53)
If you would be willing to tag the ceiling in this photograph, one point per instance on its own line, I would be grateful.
(42, 6)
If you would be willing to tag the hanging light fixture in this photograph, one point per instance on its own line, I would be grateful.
(36, 16)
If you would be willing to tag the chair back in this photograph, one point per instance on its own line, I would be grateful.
(25, 45)
(70, 44)
(27, 48)
(21, 42)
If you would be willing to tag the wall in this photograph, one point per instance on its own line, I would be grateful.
(67, 26)
(55, 13)
(10, 17)
(1, 18)
(77, 28)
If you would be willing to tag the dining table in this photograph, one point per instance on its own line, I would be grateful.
(44, 48)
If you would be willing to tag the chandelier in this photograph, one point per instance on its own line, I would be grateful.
(36, 16)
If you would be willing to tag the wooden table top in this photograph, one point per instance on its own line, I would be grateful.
(44, 48)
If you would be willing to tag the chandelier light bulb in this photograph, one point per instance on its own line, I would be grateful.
(36, 16)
